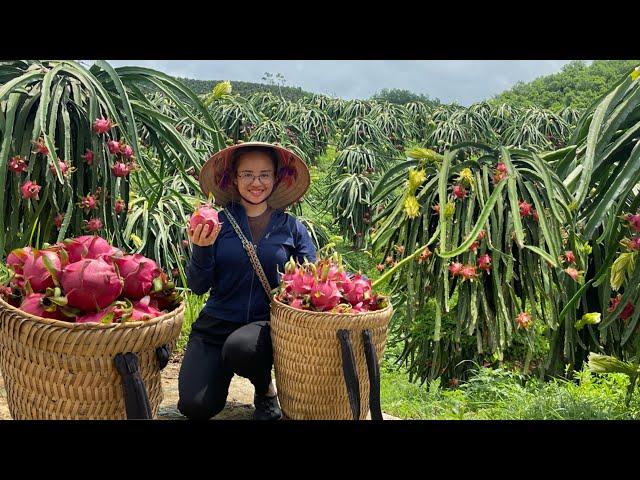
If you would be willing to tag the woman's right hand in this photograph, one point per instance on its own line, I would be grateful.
(201, 235)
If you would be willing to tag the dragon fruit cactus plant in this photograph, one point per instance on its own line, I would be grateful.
(324, 286)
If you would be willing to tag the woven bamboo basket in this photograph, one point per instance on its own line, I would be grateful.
(59, 370)
(308, 361)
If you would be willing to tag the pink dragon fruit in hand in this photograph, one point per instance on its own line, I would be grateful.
(138, 273)
(204, 214)
(91, 284)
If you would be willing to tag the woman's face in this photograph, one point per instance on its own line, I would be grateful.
(257, 188)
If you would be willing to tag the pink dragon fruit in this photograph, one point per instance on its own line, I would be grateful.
(524, 320)
(58, 220)
(357, 290)
(42, 270)
(91, 284)
(88, 246)
(114, 147)
(525, 208)
(459, 192)
(484, 262)
(325, 295)
(138, 273)
(468, 272)
(18, 164)
(119, 206)
(93, 225)
(88, 157)
(102, 125)
(17, 258)
(204, 214)
(143, 310)
(570, 256)
(302, 283)
(120, 169)
(126, 150)
(64, 168)
(634, 221)
(30, 190)
(455, 268)
(111, 314)
(501, 167)
(41, 148)
(88, 203)
(33, 305)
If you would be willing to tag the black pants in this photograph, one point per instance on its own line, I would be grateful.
(215, 351)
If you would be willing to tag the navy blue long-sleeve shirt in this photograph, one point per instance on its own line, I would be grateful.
(224, 268)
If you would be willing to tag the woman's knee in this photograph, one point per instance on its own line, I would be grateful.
(199, 409)
(247, 345)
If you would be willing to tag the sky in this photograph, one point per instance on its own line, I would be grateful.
(461, 81)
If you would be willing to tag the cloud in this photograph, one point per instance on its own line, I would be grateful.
(462, 81)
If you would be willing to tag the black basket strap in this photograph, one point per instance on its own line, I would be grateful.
(136, 400)
(163, 354)
(374, 375)
(350, 372)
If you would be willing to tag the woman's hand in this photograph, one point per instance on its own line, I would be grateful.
(201, 235)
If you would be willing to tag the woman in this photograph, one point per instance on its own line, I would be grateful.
(255, 181)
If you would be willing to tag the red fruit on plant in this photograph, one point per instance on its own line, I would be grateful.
(468, 272)
(93, 225)
(389, 260)
(40, 268)
(634, 243)
(634, 221)
(572, 272)
(455, 268)
(627, 311)
(120, 169)
(569, 256)
(459, 192)
(114, 147)
(138, 273)
(535, 216)
(32, 304)
(426, 253)
(88, 157)
(88, 203)
(119, 206)
(204, 214)
(18, 164)
(481, 235)
(126, 150)
(400, 249)
(474, 246)
(524, 320)
(436, 209)
(501, 167)
(380, 267)
(525, 208)
(91, 284)
(64, 168)
(88, 246)
(41, 147)
(102, 125)
(30, 190)
(58, 220)
(484, 262)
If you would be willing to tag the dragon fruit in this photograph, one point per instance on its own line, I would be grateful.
(17, 258)
(570, 256)
(204, 214)
(113, 146)
(325, 295)
(58, 220)
(91, 284)
(484, 262)
(143, 310)
(573, 273)
(501, 167)
(126, 150)
(32, 304)
(459, 192)
(88, 203)
(88, 157)
(41, 148)
(18, 164)
(455, 268)
(524, 320)
(119, 206)
(525, 208)
(426, 253)
(138, 273)
(357, 290)
(64, 168)
(93, 225)
(102, 125)
(116, 311)
(30, 190)
(42, 270)
(88, 246)
(120, 169)
(468, 272)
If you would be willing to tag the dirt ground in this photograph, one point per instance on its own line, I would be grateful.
(239, 403)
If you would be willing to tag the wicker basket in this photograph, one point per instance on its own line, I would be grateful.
(308, 361)
(59, 370)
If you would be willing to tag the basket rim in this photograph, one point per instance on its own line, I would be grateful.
(91, 325)
(335, 316)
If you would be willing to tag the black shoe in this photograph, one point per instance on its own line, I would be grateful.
(267, 408)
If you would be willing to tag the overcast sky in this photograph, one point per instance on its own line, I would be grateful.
(461, 81)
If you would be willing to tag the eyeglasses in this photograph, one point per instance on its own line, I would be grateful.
(250, 177)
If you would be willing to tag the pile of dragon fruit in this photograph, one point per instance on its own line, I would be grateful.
(85, 279)
(324, 286)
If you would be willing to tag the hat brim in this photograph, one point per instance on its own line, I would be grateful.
(285, 193)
